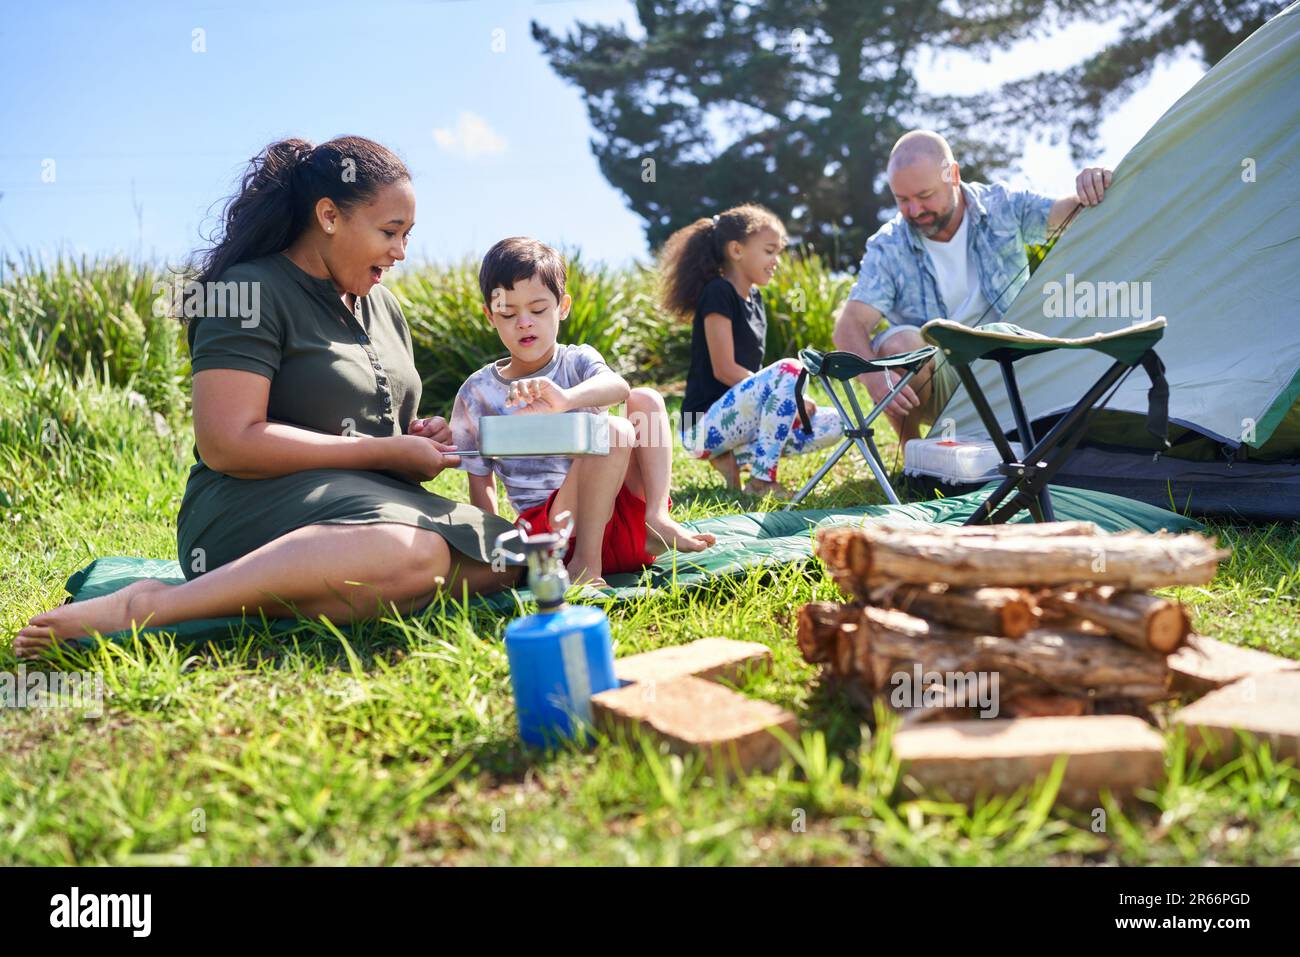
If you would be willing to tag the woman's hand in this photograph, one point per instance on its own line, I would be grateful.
(419, 459)
(537, 394)
(435, 428)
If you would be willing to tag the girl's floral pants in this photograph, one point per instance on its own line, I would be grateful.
(758, 420)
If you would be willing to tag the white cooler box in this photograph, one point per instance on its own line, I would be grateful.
(955, 461)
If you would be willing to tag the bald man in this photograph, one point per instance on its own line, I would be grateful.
(954, 251)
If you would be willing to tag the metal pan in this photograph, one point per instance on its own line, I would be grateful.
(557, 433)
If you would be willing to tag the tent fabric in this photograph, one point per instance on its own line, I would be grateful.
(963, 344)
(1201, 225)
(745, 541)
(1243, 490)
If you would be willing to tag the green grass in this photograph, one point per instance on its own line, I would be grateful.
(399, 745)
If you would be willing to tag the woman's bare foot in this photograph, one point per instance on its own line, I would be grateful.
(763, 488)
(726, 465)
(105, 615)
(663, 533)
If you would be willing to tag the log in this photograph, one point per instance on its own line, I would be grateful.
(1046, 660)
(848, 559)
(846, 642)
(1049, 615)
(1133, 560)
(1047, 706)
(817, 627)
(1145, 622)
(1017, 529)
(1204, 664)
(986, 611)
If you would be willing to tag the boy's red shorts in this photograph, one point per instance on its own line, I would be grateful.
(623, 549)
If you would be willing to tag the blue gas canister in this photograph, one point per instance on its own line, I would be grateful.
(560, 656)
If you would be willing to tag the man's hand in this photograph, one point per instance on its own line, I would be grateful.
(879, 384)
(1090, 185)
(435, 428)
(536, 395)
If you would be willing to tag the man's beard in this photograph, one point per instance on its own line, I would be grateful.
(940, 222)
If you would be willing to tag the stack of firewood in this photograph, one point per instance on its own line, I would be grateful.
(1060, 612)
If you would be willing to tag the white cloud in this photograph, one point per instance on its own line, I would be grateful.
(471, 137)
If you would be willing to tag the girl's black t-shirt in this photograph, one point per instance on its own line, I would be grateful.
(748, 335)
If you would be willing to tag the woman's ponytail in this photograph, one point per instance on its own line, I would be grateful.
(279, 191)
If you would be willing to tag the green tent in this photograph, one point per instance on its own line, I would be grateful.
(1202, 226)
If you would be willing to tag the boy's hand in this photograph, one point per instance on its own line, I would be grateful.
(536, 395)
(435, 428)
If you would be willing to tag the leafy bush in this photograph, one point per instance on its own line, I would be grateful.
(802, 301)
(613, 311)
(97, 313)
(63, 431)
(96, 317)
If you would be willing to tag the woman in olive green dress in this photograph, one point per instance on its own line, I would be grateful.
(305, 495)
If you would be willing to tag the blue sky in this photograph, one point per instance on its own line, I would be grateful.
(147, 135)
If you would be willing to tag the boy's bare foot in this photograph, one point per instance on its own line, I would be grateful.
(584, 571)
(726, 465)
(663, 533)
(105, 615)
(762, 488)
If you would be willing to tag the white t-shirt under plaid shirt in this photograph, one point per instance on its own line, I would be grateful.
(528, 481)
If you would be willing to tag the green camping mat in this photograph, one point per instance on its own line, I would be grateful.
(745, 541)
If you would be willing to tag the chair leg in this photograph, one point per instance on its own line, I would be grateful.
(1055, 447)
(829, 386)
(868, 447)
(1052, 450)
(986, 413)
(820, 473)
(1040, 506)
(983, 515)
(870, 453)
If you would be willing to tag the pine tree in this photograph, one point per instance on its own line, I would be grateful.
(795, 104)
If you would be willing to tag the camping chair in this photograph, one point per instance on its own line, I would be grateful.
(1006, 344)
(844, 367)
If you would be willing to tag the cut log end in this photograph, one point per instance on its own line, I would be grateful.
(1168, 628)
(1017, 618)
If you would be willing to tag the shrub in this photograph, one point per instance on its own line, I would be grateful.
(97, 313)
(802, 301)
(613, 311)
(96, 317)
